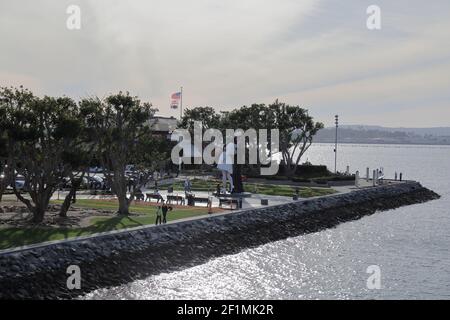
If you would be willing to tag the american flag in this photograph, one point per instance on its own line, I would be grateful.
(176, 97)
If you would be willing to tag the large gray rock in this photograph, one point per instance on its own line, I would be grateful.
(119, 257)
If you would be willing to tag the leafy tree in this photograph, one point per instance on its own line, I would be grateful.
(256, 117)
(5, 163)
(77, 163)
(295, 126)
(297, 129)
(207, 115)
(78, 159)
(11, 100)
(41, 131)
(120, 123)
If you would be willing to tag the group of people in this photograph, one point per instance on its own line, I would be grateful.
(163, 209)
(161, 213)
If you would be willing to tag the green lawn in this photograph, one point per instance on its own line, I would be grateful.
(267, 189)
(14, 237)
(140, 208)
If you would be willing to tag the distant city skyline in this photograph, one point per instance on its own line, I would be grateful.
(315, 53)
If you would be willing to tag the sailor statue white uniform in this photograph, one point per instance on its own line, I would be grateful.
(225, 165)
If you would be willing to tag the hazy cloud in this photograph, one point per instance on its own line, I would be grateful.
(228, 53)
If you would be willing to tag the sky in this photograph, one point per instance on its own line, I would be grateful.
(318, 54)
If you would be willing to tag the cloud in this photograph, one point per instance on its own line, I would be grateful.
(315, 53)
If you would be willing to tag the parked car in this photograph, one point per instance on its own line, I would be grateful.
(65, 183)
(95, 169)
(93, 182)
(20, 183)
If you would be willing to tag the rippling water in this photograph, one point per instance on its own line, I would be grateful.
(410, 245)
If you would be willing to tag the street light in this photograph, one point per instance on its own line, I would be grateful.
(336, 117)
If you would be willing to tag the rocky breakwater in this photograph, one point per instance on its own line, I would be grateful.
(120, 257)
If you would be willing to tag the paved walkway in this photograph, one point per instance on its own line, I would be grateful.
(253, 202)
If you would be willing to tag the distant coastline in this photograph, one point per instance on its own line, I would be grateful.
(357, 134)
(382, 143)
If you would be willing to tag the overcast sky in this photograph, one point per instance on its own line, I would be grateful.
(228, 53)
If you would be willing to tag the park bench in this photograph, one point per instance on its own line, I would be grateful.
(201, 200)
(139, 196)
(153, 196)
(229, 201)
(177, 199)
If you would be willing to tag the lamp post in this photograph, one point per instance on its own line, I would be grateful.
(336, 117)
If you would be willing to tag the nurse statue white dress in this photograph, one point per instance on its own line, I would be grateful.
(225, 165)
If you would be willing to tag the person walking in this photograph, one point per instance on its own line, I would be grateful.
(187, 185)
(165, 208)
(158, 215)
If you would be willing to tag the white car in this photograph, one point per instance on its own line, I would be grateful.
(20, 183)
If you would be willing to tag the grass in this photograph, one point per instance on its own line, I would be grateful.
(149, 211)
(15, 237)
(267, 189)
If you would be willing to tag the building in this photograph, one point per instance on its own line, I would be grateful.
(163, 126)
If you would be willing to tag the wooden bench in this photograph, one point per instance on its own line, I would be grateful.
(139, 197)
(177, 199)
(153, 196)
(229, 201)
(201, 200)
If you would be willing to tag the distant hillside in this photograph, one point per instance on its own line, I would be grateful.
(437, 131)
(383, 135)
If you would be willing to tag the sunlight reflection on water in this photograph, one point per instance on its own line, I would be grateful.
(410, 245)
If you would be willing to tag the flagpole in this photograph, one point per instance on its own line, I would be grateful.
(181, 104)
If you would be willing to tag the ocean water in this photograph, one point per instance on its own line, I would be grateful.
(410, 245)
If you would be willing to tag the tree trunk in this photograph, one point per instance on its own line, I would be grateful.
(291, 170)
(42, 200)
(8, 178)
(71, 196)
(23, 200)
(124, 205)
(38, 214)
(67, 202)
(119, 184)
(4, 184)
(41, 206)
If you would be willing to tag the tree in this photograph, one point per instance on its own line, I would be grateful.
(76, 162)
(6, 170)
(121, 124)
(257, 117)
(11, 100)
(295, 126)
(80, 156)
(296, 129)
(207, 115)
(5, 174)
(41, 132)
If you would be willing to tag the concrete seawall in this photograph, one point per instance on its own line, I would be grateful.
(120, 257)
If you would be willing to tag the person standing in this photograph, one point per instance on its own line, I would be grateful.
(225, 165)
(187, 185)
(165, 208)
(158, 215)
